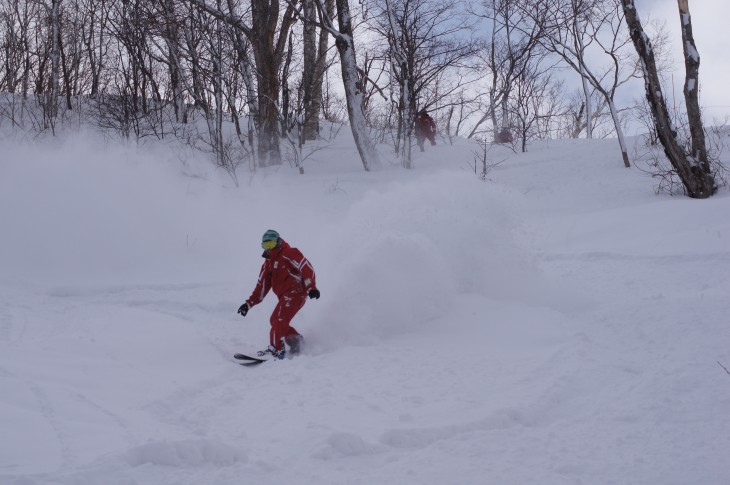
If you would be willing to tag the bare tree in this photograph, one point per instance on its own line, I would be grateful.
(536, 101)
(345, 42)
(267, 33)
(50, 92)
(692, 168)
(428, 44)
(334, 104)
(17, 46)
(577, 28)
(400, 68)
(514, 39)
(169, 30)
(315, 63)
(576, 117)
(96, 43)
(308, 108)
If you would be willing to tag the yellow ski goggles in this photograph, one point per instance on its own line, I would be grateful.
(271, 244)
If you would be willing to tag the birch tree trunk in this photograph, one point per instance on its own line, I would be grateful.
(309, 47)
(583, 74)
(177, 76)
(320, 68)
(353, 87)
(588, 100)
(404, 104)
(263, 31)
(619, 131)
(218, 90)
(691, 87)
(253, 117)
(315, 60)
(52, 97)
(243, 48)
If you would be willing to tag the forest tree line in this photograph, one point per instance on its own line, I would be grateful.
(259, 74)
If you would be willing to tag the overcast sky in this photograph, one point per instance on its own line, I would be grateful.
(711, 31)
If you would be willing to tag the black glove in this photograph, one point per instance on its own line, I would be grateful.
(314, 293)
(243, 309)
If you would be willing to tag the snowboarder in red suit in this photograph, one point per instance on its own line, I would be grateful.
(425, 128)
(291, 276)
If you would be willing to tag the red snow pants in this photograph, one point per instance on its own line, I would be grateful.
(288, 306)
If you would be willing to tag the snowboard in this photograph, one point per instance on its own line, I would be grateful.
(247, 360)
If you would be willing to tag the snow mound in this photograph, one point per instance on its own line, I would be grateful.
(191, 453)
(345, 445)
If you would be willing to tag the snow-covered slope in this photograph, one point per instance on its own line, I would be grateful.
(556, 324)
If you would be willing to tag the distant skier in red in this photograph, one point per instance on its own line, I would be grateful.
(291, 276)
(425, 128)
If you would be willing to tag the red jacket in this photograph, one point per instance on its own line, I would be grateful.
(425, 124)
(285, 270)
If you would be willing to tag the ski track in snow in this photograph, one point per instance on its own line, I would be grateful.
(62, 434)
(540, 328)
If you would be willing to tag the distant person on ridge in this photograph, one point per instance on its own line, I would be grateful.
(291, 276)
(425, 128)
(504, 136)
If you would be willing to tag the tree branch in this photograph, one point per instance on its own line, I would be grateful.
(236, 23)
